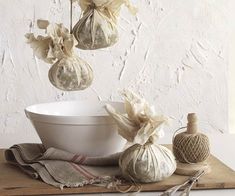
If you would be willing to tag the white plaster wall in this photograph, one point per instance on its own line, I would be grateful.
(175, 53)
(232, 71)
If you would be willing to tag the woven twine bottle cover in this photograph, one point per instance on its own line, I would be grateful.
(191, 149)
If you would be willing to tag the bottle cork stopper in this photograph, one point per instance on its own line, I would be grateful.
(192, 123)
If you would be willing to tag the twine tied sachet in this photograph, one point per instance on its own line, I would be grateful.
(69, 72)
(97, 27)
(144, 160)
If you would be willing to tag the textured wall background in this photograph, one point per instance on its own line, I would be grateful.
(175, 53)
(231, 70)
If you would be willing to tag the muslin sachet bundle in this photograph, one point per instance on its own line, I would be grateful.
(98, 26)
(68, 72)
(145, 160)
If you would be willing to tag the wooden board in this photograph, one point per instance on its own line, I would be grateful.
(14, 182)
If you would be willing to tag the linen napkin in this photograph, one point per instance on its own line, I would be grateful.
(60, 168)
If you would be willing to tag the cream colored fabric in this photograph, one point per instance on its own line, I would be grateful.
(145, 160)
(147, 163)
(69, 72)
(57, 44)
(140, 121)
(97, 27)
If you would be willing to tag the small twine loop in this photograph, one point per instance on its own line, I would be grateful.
(176, 131)
(132, 187)
(71, 16)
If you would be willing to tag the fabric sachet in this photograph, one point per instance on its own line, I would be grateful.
(69, 72)
(98, 26)
(145, 160)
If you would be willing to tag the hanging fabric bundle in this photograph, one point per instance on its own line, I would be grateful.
(69, 72)
(97, 27)
(145, 160)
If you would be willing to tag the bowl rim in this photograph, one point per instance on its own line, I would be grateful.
(70, 119)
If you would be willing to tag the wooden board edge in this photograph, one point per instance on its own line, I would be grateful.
(15, 191)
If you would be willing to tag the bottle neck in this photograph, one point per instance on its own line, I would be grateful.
(192, 127)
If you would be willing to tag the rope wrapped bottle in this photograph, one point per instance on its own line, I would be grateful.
(191, 149)
(191, 146)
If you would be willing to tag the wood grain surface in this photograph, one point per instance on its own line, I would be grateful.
(14, 182)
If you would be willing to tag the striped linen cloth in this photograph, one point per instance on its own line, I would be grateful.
(60, 168)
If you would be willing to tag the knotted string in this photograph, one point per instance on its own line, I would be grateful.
(71, 16)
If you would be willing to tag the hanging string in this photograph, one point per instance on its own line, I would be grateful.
(71, 16)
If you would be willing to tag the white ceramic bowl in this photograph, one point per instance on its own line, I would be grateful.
(77, 126)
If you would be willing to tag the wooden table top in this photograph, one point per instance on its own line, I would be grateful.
(14, 182)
